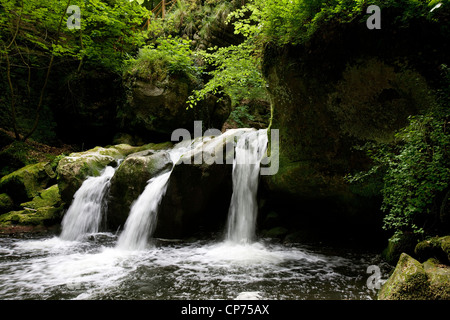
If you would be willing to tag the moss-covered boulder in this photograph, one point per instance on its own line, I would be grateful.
(343, 87)
(25, 183)
(129, 182)
(413, 281)
(409, 281)
(75, 168)
(6, 203)
(438, 278)
(437, 247)
(45, 209)
(405, 243)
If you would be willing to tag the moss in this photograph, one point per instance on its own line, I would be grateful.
(6, 203)
(439, 279)
(47, 198)
(394, 249)
(25, 183)
(436, 247)
(409, 281)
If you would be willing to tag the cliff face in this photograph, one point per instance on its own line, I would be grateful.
(347, 86)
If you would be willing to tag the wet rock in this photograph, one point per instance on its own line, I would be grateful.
(130, 180)
(198, 195)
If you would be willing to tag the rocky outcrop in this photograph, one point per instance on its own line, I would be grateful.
(25, 183)
(129, 182)
(412, 280)
(346, 86)
(199, 191)
(158, 108)
(75, 168)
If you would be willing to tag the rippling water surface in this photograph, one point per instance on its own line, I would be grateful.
(93, 268)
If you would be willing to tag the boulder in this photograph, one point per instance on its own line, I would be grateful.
(75, 168)
(409, 281)
(25, 183)
(45, 209)
(6, 203)
(199, 192)
(437, 248)
(413, 281)
(129, 182)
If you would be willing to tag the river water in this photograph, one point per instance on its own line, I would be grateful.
(95, 268)
(82, 263)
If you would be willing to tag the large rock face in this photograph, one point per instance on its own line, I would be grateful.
(158, 109)
(199, 192)
(347, 86)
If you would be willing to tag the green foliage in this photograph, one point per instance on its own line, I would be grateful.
(170, 56)
(234, 72)
(240, 114)
(415, 169)
(295, 21)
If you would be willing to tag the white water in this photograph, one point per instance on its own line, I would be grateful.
(243, 211)
(141, 221)
(85, 213)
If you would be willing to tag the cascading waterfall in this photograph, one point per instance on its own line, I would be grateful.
(249, 151)
(85, 213)
(141, 221)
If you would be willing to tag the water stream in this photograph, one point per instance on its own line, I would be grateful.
(86, 211)
(110, 266)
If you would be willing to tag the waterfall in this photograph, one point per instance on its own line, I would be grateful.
(141, 221)
(243, 210)
(85, 213)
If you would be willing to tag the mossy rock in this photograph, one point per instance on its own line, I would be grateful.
(437, 247)
(409, 281)
(75, 168)
(413, 281)
(45, 209)
(439, 279)
(49, 197)
(405, 243)
(6, 203)
(130, 179)
(26, 182)
(46, 216)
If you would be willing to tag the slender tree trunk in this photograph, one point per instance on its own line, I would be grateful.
(47, 76)
(11, 89)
